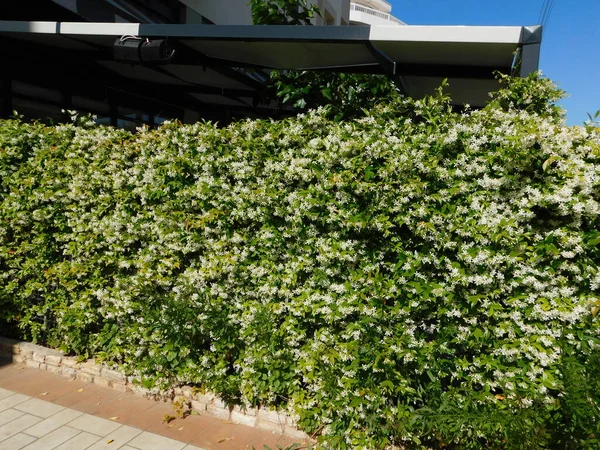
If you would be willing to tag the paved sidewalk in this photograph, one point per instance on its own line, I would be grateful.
(42, 410)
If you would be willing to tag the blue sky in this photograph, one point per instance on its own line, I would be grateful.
(571, 42)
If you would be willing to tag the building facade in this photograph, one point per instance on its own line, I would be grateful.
(372, 12)
(237, 12)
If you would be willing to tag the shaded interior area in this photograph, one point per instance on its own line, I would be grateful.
(60, 62)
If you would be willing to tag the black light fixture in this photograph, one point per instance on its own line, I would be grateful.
(135, 49)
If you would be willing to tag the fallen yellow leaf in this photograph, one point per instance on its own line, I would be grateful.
(179, 429)
(44, 393)
(114, 418)
(110, 441)
(79, 390)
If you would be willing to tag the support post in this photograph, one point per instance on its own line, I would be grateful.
(389, 67)
(530, 59)
(531, 42)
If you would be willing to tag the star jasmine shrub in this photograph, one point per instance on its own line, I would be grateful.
(416, 278)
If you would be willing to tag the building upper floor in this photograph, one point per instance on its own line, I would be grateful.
(237, 12)
(372, 12)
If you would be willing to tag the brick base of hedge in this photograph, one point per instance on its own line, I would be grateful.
(42, 358)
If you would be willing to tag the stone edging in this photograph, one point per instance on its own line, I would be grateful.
(42, 358)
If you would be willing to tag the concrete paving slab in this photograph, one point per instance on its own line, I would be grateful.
(17, 442)
(151, 441)
(82, 441)
(117, 438)
(100, 415)
(5, 393)
(53, 422)
(12, 401)
(16, 426)
(39, 408)
(53, 439)
(9, 415)
(94, 425)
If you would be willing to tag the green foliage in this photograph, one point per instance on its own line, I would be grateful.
(345, 95)
(283, 12)
(593, 122)
(417, 277)
(576, 417)
(540, 98)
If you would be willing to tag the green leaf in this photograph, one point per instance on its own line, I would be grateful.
(549, 161)
(301, 103)
(327, 93)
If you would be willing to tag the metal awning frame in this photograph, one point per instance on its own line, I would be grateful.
(528, 39)
(380, 49)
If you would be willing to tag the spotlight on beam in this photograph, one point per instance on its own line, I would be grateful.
(138, 50)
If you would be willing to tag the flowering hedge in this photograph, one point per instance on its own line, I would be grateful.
(418, 277)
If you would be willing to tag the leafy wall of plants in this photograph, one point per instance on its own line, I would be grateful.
(418, 277)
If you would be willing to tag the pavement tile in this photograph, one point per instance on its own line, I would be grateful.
(150, 441)
(15, 374)
(285, 442)
(242, 442)
(94, 425)
(196, 432)
(81, 441)
(100, 400)
(108, 404)
(27, 384)
(16, 426)
(257, 438)
(96, 406)
(126, 407)
(184, 430)
(52, 423)
(53, 439)
(116, 439)
(228, 436)
(151, 417)
(39, 408)
(12, 401)
(9, 415)
(5, 393)
(17, 442)
(78, 394)
(58, 388)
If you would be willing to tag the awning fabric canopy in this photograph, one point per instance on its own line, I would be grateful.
(418, 57)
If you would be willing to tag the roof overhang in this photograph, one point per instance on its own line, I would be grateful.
(419, 57)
